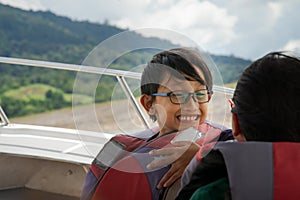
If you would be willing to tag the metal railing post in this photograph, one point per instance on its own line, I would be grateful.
(3, 117)
(129, 95)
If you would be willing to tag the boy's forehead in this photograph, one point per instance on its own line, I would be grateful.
(171, 79)
(179, 84)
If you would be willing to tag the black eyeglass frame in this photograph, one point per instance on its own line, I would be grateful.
(190, 94)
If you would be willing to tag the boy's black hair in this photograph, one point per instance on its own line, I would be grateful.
(267, 99)
(179, 62)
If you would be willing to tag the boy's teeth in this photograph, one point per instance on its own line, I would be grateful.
(188, 118)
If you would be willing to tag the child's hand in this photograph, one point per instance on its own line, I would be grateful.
(180, 155)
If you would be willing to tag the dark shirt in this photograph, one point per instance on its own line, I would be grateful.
(209, 169)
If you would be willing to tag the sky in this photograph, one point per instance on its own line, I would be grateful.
(243, 28)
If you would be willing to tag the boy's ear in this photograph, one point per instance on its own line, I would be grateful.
(236, 129)
(146, 101)
(209, 97)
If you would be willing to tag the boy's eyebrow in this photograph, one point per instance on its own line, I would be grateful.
(173, 87)
(190, 80)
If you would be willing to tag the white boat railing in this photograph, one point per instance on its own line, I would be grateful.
(119, 74)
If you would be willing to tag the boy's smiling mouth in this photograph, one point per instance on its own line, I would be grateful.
(188, 118)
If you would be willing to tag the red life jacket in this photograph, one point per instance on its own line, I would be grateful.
(262, 170)
(119, 171)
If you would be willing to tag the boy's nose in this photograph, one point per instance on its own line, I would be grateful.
(191, 102)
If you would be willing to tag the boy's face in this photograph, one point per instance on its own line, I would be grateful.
(172, 116)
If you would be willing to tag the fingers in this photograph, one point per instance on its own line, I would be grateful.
(161, 162)
(170, 154)
(164, 151)
(165, 179)
(170, 177)
(180, 146)
(179, 163)
(181, 143)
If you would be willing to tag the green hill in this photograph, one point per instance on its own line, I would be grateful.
(43, 35)
(46, 36)
(230, 67)
(37, 98)
(34, 91)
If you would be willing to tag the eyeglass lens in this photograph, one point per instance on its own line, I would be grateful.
(200, 96)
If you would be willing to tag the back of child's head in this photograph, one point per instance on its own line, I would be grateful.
(267, 99)
(181, 63)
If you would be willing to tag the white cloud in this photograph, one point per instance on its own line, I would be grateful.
(292, 45)
(276, 8)
(274, 12)
(203, 21)
(24, 4)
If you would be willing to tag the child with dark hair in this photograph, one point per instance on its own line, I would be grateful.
(176, 86)
(267, 100)
(266, 114)
(183, 73)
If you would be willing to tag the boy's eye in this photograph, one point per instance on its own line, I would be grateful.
(200, 95)
(179, 94)
(179, 97)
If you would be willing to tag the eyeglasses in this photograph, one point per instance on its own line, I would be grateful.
(182, 97)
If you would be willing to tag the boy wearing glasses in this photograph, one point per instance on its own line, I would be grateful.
(174, 91)
(176, 87)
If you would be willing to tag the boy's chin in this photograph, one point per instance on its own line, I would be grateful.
(189, 134)
(184, 126)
